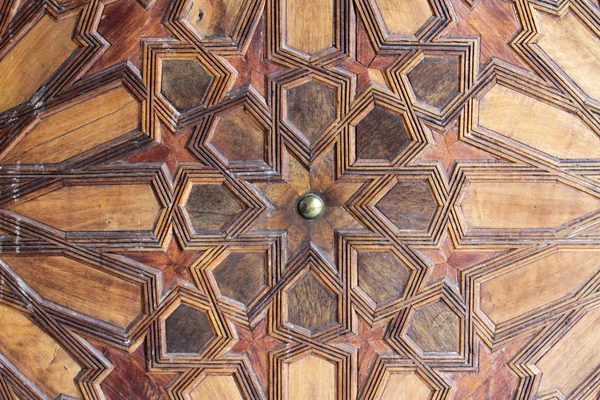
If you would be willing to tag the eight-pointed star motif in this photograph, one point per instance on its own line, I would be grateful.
(284, 216)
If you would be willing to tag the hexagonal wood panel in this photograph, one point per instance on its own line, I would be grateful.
(153, 154)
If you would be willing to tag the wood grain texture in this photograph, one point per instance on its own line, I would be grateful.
(300, 19)
(130, 376)
(80, 288)
(124, 25)
(37, 355)
(76, 129)
(382, 276)
(215, 386)
(238, 137)
(94, 208)
(405, 387)
(184, 83)
(153, 153)
(536, 284)
(381, 135)
(435, 80)
(524, 205)
(409, 205)
(214, 17)
(573, 48)
(310, 304)
(188, 330)
(242, 276)
(21, 75)
(566, 373)
(211, 207)
(310, 107)
(536, 124)
(311, 377)
(435, 329)
(403, 18)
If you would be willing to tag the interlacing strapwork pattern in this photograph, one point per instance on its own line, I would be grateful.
(152, 154)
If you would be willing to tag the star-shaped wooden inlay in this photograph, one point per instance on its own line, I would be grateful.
(256, 344)
(448, 260)
(368, 66)
(284, 217)
(123, 25)
(447, 149)
(253, 67)
(173, 263)
(494, 22)
(171, 150)
(119, 385)
(493, 379)
(369, 342)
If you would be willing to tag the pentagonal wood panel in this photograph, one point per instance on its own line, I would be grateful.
(153, 155)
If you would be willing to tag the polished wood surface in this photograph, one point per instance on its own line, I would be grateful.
(153, 154)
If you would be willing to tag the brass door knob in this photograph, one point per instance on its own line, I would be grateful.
(311, 206)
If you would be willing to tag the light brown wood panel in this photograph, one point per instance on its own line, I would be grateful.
(22, 75)
(37, 355)
(536, 284)
(524, 205)
(574, 48)
(76, 129)
(216, 386)
(94, 208)
(571, 359)
(311, 377)
(405, 387)
(301, 18)
(79, 287)
(403, 18)
(536, 124)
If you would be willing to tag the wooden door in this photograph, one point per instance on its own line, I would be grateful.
(157, 241)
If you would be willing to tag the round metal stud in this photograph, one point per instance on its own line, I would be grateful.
(311, 206)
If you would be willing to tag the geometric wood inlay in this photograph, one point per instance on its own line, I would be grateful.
(534, 285)
(22, 75)
(78, 287)
(213, 17)
(435, 80)
(301, 19)
(573, 48)
(405, 17)
(242, 276)
(211, 207)
(215, 386)
(435, 329)
(310, 304)
(524, 205)
(381, 135)
(310, 378)
(77, 129)
(187, 330)
(154, 155)
(382, 276)
(36, 355)
(405, 387)
(310, 107)
(184, 83)
(566, 373)
(94, 208)
(537, 124)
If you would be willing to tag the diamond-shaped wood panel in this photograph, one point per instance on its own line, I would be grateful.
(154, 155)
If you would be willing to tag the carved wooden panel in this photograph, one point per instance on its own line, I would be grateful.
(153, 154)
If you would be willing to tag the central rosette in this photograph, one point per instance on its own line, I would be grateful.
(309, 207)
